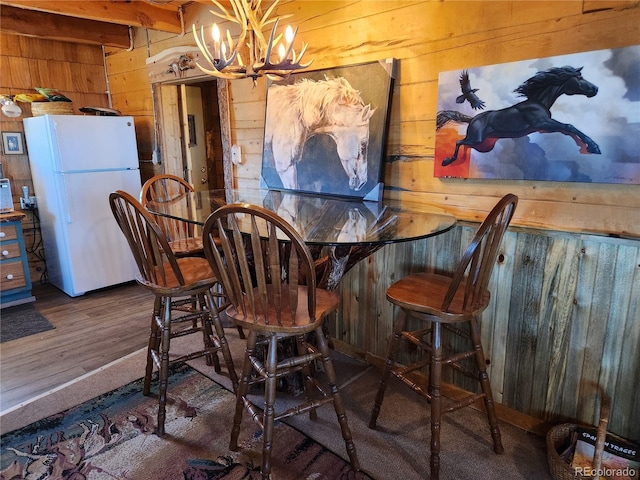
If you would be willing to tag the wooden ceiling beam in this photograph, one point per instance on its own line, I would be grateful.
(135, 14)
(18, 21)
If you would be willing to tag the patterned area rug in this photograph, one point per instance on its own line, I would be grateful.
(21, 321)
(111, 437)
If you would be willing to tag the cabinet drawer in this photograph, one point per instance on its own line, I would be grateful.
(8, 232)
(11, 250)
(12, 276)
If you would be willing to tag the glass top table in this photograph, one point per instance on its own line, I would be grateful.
(352, 228)
(321, 219)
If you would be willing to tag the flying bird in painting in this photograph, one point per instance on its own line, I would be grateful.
(469, 93)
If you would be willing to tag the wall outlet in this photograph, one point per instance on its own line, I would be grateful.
(28, 203)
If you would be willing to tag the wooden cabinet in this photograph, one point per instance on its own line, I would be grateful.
(15, 281)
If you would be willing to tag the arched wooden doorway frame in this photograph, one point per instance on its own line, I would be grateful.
(164, 81)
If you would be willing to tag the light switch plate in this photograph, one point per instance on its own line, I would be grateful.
(236, 155)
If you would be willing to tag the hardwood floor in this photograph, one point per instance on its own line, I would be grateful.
(100, 327)
(91, 331)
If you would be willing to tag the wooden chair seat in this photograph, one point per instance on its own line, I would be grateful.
(447, 305)
(187, 246)
(425, 292)
(271, 288)
(326, 302)
(196, 276)
(185, 302)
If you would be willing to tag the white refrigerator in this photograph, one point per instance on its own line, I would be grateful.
(76, 162)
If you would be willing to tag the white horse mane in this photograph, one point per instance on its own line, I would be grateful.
(308, 103)
(330, 106)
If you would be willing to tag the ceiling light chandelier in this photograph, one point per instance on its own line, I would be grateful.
(226, 58)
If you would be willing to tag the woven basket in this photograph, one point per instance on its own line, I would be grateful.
(51, 108)
(559, 437)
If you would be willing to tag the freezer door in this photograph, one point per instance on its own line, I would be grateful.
(95, 253)
(84, 143)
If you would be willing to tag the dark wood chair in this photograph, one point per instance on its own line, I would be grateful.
(171, 279)
(271, 288)
(449, 303)
(184, 238)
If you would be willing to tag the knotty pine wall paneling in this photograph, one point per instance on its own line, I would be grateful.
(76, 70)
(563, 321)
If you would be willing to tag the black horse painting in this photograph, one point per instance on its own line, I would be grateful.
(528, 116)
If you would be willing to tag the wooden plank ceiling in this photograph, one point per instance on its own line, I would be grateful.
(101, 22)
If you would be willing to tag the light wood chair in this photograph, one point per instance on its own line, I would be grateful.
(271, 288)
(184, 238)
(171, 278)
(450, 303)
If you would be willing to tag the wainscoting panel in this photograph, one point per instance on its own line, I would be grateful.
(563, 326)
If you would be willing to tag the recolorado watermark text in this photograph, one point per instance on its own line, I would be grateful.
(626, 472)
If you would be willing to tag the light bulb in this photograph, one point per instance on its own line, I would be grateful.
(288, 34)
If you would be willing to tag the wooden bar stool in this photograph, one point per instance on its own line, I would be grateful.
(449, 303)
(184, 238)
(272, 291)
(171, 278)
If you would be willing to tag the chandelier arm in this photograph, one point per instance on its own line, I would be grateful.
(267, 14)
(275, 77)
(225, 15)
(225, 75)
(235, 50)
(271, 20)
(241, 38)
(302, 52)
(254, 25)
(284, 63)
(221, 63)
(290, 47)
(237, 11)
(202, 44)
(224, 63)
(302, 66)
(258, 4)
(240, 19)
(277, 39)
(240, 12)
(284, 66)
(221, 7)
(267, 54)
(218, 67)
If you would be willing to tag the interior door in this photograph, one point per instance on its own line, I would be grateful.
(194, 135)
(174, 103)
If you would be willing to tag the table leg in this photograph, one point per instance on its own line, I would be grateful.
(331, 268)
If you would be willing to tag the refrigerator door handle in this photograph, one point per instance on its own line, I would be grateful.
(55, 147)
(65, 198)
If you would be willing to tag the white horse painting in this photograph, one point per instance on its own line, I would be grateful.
(332, 107)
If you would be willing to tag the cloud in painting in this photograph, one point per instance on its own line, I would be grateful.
(611, 119)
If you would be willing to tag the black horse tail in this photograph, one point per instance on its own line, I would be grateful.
(445, 116)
